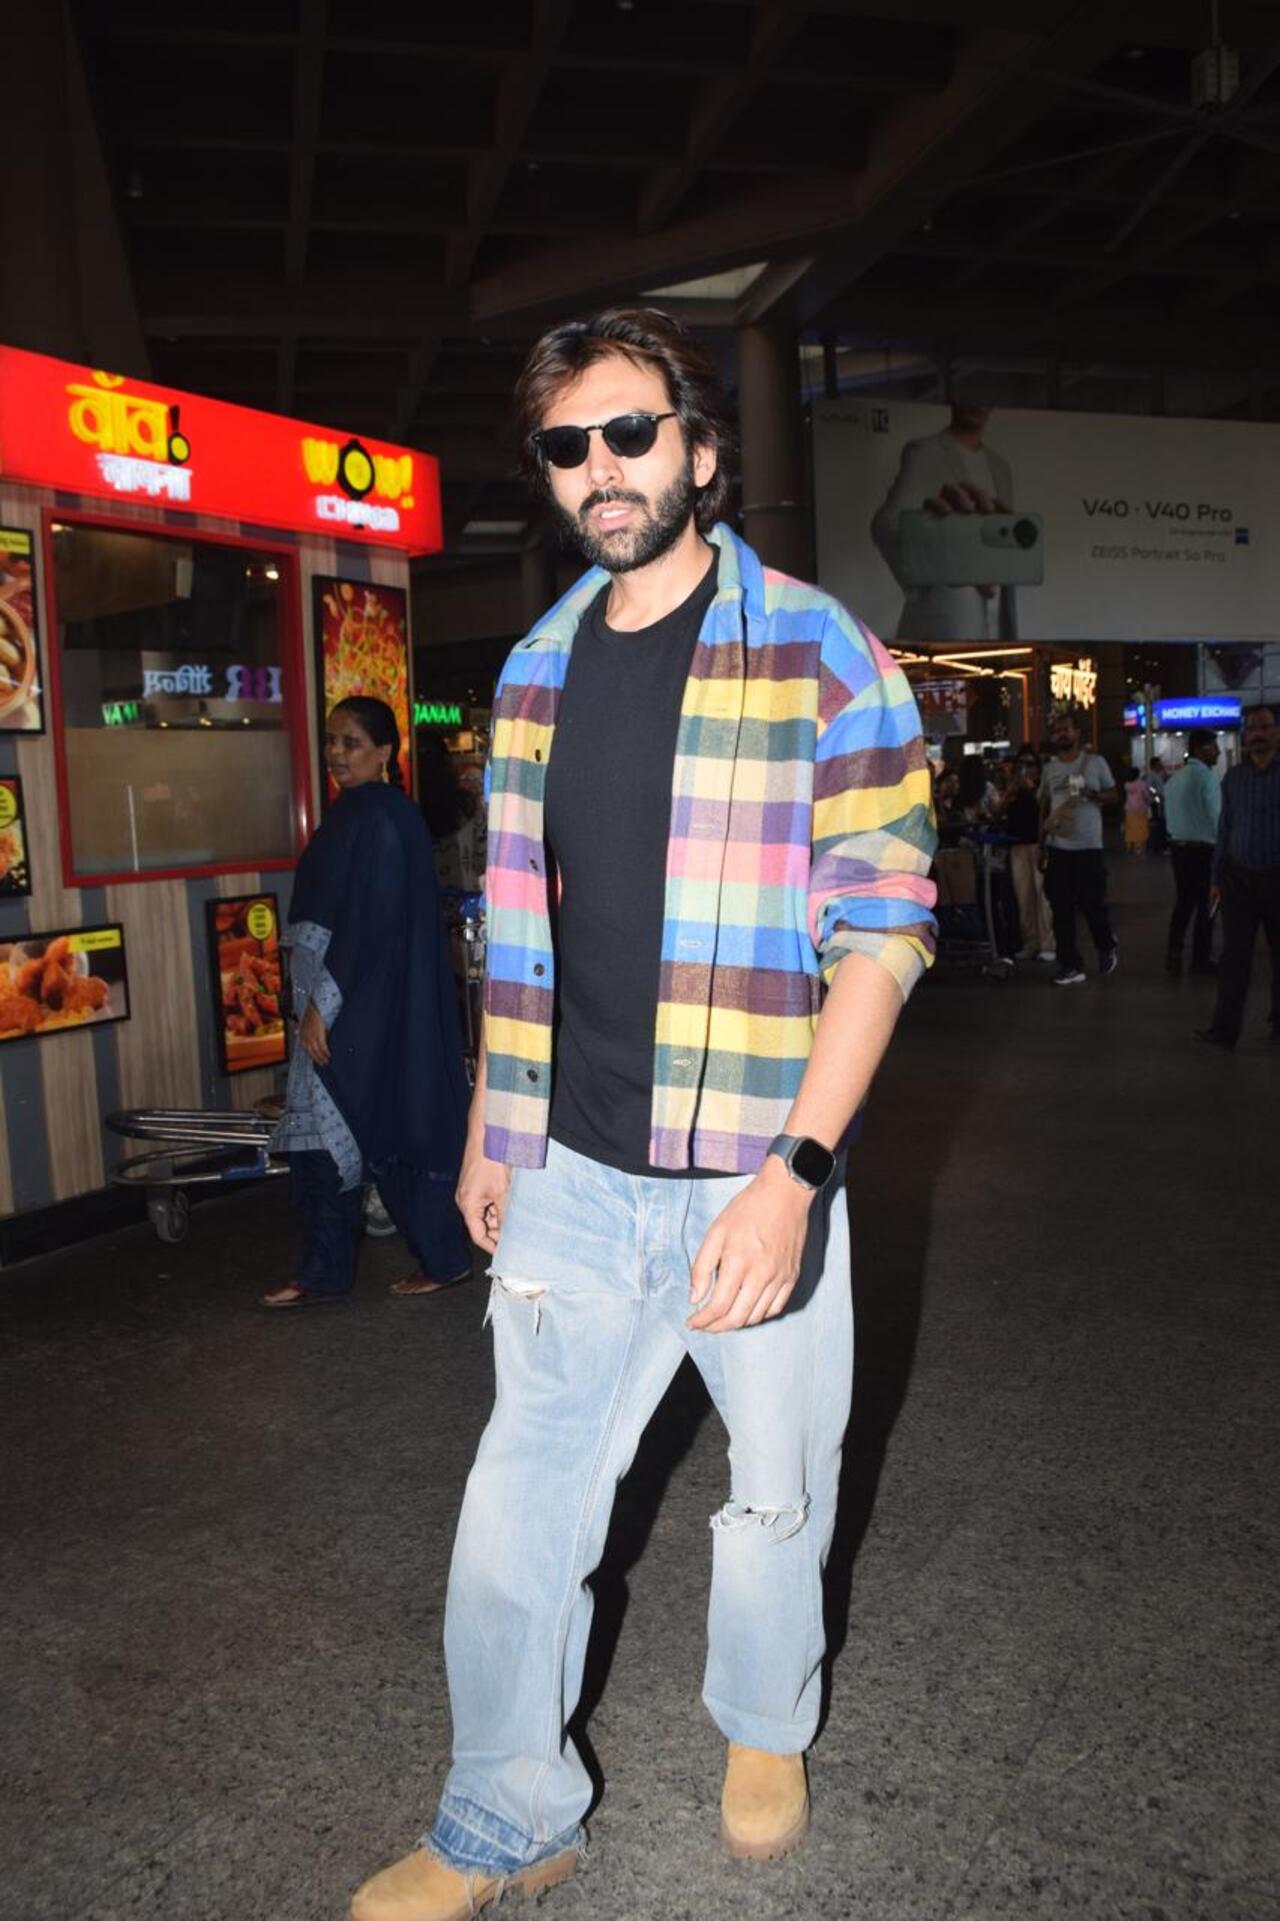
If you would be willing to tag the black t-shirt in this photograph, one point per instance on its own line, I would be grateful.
(608, 820)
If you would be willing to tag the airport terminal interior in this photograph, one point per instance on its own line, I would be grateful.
(990, 288)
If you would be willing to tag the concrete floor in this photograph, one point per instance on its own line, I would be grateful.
(226, 1535)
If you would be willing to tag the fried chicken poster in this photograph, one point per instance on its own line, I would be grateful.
(21, 708)
(362, 647)
(55, 983)
(244, 935)
(15, 876)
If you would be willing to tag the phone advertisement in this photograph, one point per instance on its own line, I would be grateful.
(244, 940)
(1002, 526)
(15, 875)
(56, 983)
(362, 647)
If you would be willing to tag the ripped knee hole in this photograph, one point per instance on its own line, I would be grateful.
(779, 1523)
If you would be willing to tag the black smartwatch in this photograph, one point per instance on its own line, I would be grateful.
(807, 1161)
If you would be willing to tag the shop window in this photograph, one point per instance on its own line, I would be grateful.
(173, 695)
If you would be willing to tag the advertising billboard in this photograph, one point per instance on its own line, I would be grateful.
(1008, 525)
(362, 647)
(117, 438)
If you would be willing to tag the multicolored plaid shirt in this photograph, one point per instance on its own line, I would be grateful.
(801, 831)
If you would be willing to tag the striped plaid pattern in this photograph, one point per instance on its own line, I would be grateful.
(801, 831)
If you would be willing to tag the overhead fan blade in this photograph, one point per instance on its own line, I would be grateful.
(1077, 153)
(1159, 188)
(1118, 96)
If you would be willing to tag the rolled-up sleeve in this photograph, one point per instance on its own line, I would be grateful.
(873, 827)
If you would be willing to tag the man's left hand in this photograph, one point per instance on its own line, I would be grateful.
(748, 1265)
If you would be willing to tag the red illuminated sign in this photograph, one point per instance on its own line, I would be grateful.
(116, 438)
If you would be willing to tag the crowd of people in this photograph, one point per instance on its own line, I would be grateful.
(1222, 836)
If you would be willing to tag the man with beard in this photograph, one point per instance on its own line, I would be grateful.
(1073, 788)
(952, 472)
(1246, 875)
(708, 897)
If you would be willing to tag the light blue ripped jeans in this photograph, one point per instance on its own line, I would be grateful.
(590, 1299)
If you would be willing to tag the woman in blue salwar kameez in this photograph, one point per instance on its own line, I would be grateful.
(377, 1089)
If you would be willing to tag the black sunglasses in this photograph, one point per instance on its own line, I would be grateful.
(627, 435)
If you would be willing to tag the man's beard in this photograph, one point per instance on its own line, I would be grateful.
(656, 534)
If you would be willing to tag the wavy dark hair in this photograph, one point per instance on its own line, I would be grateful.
(381, 726)
(650, 338)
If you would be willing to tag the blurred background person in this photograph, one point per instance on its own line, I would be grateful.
(376, 1087)
(1137, 812)
(1193, 805)
(1246, 875)
(1019, 818)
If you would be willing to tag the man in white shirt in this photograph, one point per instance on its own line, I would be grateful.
(1193, 805)
(1072, 792)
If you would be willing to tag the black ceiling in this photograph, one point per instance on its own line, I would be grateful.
(358, 211)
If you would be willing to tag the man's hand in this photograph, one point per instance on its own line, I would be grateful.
(482, 1195)
(749, 1262)
(313, 1035)
(961, 497)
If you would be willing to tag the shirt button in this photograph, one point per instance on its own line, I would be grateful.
(537, 753)
(539, 969)
(530, 1074)
(534, 865)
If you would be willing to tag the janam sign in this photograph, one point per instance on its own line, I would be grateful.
(116, 438)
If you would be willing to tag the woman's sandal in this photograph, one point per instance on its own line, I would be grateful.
(292, 1295)
(420, 1283)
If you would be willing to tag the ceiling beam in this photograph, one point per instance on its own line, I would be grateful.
(381, 309)
(1123, 334)
(923, 151)
(720, 106)
(308, 89)
(519, 92)
(777, 222)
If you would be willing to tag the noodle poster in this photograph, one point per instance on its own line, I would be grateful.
(21, 705)
(53, 983)
(362, 647)
(244, 941)
(15, 876)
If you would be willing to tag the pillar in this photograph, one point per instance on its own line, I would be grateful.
(67, 289)
(775, 494)
(538, 589)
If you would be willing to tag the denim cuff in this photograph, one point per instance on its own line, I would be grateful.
(469, 1838)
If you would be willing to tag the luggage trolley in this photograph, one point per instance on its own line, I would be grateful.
(464, 918)
(192, 1149)
(969, 921)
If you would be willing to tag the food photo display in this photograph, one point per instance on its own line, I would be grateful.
(15, 873)
(21, 697)
(362, 647)
(248, 976)
(56, 983)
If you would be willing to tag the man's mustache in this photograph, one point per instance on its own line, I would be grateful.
(610, 496)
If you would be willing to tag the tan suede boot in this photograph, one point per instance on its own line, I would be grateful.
(423, 1888)
(764, 1810)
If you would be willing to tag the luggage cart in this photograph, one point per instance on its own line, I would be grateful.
(968, 876)
(192, 1149)
(464, 918)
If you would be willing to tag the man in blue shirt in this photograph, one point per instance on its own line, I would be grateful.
(1246, 875)
(1193, 804)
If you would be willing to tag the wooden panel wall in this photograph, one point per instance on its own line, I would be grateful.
(55, 1091)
